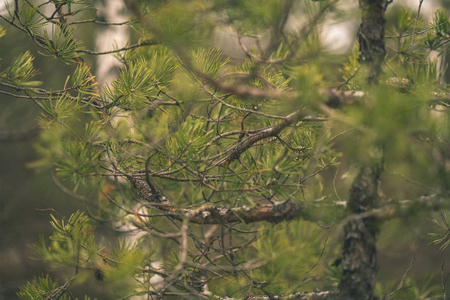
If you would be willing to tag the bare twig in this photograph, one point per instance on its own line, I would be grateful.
(402, 282)
(350, 78)
(413, 36)
(417, 32)
(95, 21)
(52, 210)
(444, 280)
(245, 144)
(141, 44)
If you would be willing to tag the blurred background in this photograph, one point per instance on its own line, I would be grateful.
(26, 194)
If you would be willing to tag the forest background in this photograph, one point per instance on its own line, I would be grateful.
(24, 193)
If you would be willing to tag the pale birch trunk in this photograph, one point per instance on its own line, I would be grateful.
(108, 37)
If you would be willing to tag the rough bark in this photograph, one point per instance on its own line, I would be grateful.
(208, 214)
(359, 256)
(371, 36)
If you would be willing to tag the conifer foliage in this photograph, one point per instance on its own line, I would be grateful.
(221, 165)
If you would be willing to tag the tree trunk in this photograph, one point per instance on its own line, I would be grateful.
(359, 256)
(371, 36)
(108, 36)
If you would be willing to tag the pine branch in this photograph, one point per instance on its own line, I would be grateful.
(208, 214)
(272, 213)
(322, 295)
(245, 144)
(141, 44)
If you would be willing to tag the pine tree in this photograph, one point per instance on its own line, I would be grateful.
(223, 164)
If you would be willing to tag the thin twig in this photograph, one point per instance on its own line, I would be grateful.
(318, 259)
(350, 78)
(417, 33)
(413, 36)
(444, 280)
(95, 21)
(52, 210)
(334, 185)
(402, 282)
(142, 44)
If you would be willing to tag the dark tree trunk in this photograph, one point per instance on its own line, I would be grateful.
(359, 255)
(371, 36)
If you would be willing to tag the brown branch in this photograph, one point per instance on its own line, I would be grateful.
(321, 295)
(287, 210)
(208, 214)
(272, 131)
(334, 96)
(402, 282)
(95, 21)
(221, 100)
(141, 44)
(417, 32)
(245, 91)
(273, 213)
(337, 98)
(444, 279)
(257, 57)
(278, 31)
(251, 76)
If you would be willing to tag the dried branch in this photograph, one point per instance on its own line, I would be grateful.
(444, 279)
(323, 295)
(95, 21)
(141, 44)
(402, 282)
(245, 144)
(248, 92)
(208, 214)
(274, 213)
